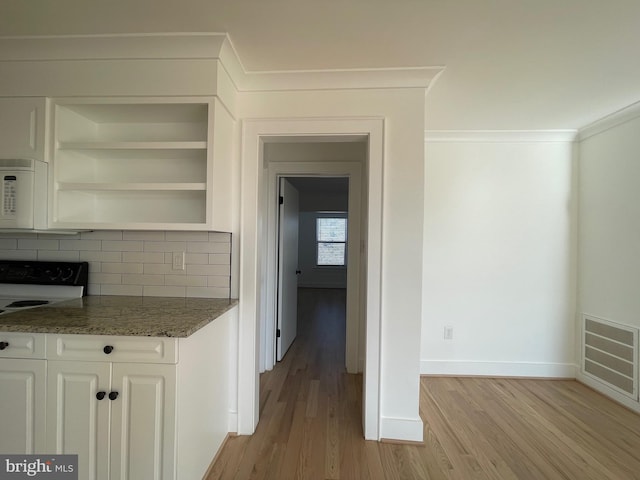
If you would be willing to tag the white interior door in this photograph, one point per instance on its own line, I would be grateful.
(287, 268)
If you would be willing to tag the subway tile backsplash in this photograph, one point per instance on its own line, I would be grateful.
(138, 263)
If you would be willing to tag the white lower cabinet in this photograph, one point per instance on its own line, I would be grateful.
(22, 392)
(130, 407)
(22, 400)
(118, 417)
(77, 422)
(143, 421)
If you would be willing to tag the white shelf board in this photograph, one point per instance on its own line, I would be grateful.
(132, 187)
(136, 111)
(155, 154)
(195, 145)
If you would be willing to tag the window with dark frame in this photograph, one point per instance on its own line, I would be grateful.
(331, 238)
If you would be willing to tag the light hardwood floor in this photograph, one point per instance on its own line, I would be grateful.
(475, 428)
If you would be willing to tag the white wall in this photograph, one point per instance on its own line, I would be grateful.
(609, 227)
(499, 258)
(609, 235)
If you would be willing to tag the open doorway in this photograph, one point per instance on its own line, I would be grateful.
(257, 252)
(312, 260)
(295, 161)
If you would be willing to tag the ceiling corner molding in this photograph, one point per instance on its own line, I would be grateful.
(113, 46)
(411, 77)
(610, 121)
(500, 136)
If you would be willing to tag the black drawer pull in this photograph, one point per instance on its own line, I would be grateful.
(101, 395)
(108, 349)
(113, 395)
(3, 345)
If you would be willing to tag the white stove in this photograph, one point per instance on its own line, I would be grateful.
(36, 284)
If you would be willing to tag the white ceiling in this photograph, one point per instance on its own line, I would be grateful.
(510, 64)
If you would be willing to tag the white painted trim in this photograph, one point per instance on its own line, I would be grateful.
(610, 121)
(411, 77)
(253, 259)
(250, 278)
(407, 429)
(232, 426)
(500, 136)
(498, 369)
(372, 366)
(112, 47)
(209, 46)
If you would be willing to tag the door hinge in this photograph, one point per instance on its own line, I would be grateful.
(281, 199)
(278, 333)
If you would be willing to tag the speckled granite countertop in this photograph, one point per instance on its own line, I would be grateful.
(119, 315)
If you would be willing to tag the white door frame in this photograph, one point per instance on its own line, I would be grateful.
(253, 261)
(353, 171)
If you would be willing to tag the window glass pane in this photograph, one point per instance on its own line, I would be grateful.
(331, 253)
(332, 229)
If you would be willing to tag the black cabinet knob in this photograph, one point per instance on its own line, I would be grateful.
(113, 395)
(101, 395)
(3, 345)
(108, 349)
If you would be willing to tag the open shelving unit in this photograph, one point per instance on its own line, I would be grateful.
(132, 163)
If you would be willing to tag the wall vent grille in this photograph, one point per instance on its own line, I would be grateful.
(610, 354)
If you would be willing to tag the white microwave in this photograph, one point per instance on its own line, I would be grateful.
(23, 195)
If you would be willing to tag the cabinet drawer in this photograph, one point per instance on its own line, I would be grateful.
(112, 349)
(22, 345)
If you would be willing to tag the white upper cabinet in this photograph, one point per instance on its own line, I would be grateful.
(139, 163)
(23, 127)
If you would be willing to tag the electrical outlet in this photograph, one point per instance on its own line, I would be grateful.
(448, 333)
(178, 260)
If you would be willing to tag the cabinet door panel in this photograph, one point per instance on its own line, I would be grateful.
(22, 397)
(143, 422)
(22, 125)
(77, 422)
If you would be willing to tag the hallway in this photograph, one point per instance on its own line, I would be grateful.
(310, 408)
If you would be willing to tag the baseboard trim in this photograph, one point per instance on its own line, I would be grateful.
(498, 369)
(401, 442)
(232, 425)
(401, 429)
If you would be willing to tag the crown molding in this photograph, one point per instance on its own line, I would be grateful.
(215, 46)
(500, 136)
(112, 47)
(610, 121)
(412, 77)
